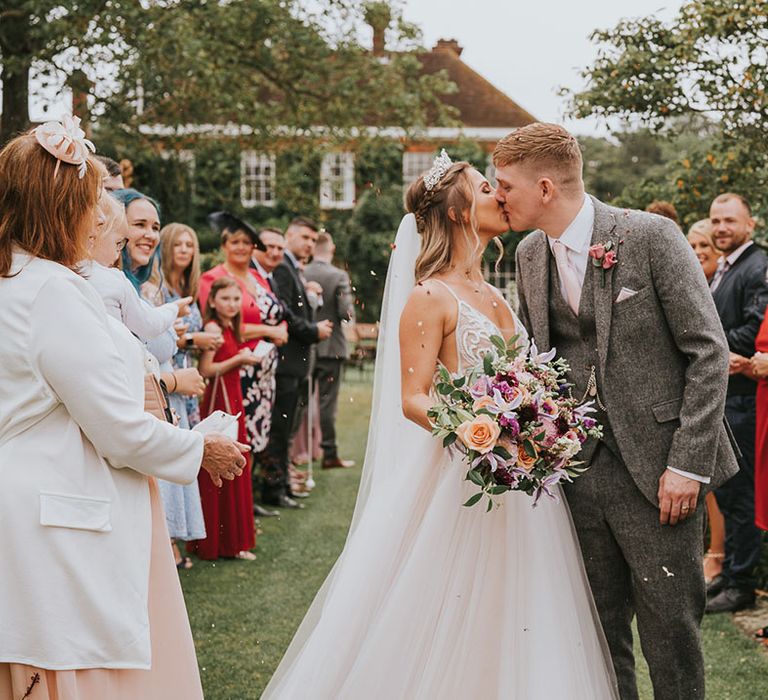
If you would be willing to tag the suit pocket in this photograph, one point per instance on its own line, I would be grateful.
(667, 410)
(76, 512)
(630, 302)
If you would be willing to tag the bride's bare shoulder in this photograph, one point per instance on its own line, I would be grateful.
(430, 299)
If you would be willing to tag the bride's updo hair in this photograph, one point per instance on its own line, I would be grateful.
(431, 207)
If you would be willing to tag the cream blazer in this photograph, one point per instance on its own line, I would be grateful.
(76, 449)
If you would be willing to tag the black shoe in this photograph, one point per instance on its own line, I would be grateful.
(261, 512)
(282, 501)
(731, 600)
(715, 586)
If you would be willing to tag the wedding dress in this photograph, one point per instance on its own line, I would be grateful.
(432, 600)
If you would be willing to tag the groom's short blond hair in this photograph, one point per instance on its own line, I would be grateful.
(547, 149)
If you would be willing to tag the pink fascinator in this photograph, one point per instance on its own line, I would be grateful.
(66, 142)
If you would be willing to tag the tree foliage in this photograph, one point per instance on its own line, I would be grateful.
(268, 65)
(710, 60)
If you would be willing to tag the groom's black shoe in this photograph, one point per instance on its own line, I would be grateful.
(731, 600)
(715, 587)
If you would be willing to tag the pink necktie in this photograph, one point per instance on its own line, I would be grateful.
(567, 276)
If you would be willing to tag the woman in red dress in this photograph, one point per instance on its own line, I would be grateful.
(759, 364)
(227, 511)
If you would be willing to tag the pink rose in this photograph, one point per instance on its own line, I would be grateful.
(480, 433)
(609, 260)
(597, 251)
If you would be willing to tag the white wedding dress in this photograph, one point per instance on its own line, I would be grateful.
(432, 600)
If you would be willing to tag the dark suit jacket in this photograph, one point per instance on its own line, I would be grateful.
(741, 298)
(302, 332)
(337, 306)
(663, 357)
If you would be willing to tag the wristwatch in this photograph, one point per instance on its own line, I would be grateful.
(189, 339)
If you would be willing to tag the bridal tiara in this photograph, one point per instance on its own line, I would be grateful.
(440, 167)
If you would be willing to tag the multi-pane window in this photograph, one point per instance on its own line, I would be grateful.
(414, 164)
(337, 181)
(257, 179)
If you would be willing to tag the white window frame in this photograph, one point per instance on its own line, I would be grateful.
(415, 163)
(257, 188)
(337, 180)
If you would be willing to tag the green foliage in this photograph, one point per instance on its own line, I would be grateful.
(710, 60)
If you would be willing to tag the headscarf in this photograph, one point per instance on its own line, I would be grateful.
(142, 274)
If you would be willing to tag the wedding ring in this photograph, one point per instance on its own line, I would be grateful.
(685, 506)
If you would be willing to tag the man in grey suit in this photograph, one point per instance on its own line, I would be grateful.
(623, 299)
(330, 353)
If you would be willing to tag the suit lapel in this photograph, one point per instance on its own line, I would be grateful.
(538, 296)
(603, 230)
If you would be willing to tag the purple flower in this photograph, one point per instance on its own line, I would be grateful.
(510, 424)
(482, 387)
(505, 477)
(589, 423)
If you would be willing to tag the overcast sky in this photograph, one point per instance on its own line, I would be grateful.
(530, 49)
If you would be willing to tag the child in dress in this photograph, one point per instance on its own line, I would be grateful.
(120, 297)
(228, 511)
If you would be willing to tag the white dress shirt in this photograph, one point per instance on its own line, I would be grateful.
(576, 239)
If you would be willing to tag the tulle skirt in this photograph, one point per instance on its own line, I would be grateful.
(430, 599)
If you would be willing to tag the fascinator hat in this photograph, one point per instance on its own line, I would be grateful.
(66, 142)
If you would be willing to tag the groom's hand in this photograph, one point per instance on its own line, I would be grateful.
(677, 497)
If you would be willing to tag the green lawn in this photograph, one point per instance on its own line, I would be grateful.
(243, 614)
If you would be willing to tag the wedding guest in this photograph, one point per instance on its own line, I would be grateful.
(177, 276)
(293, 363)
(331, 353)
(703, 243)
(261, 316)
(228, 510)
(114, 179)
(90, 601)
(665, 209)
(120, 296)
(759, 366)
(740, 292)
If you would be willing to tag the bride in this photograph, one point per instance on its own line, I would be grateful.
(430, 599)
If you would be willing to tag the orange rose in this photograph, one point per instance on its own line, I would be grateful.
(524, 460)
(480, 433)
(482, 402)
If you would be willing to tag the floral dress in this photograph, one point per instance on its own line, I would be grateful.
(258, 381)
(185, 358)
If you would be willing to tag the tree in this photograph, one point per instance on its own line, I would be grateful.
(711, 61)
(268, 65)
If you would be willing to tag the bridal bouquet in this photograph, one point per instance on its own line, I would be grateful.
(515, 420)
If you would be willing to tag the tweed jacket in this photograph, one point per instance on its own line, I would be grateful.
(337, 306)
(662, 353)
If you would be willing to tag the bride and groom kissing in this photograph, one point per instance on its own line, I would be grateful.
(431, 600)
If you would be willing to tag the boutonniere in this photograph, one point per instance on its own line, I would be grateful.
(603, 256)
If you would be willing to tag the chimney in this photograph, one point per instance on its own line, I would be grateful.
(448, 45)
(378, 15)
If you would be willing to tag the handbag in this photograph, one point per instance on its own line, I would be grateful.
(232, 430)
(156, 399)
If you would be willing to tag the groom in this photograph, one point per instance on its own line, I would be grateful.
(622, 297)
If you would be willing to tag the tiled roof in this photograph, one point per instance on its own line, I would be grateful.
(480, 104)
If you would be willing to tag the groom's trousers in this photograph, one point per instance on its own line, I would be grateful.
(638, 567)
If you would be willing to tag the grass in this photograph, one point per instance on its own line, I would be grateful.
(243, 614)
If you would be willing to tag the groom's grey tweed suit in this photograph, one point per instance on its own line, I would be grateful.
(661, 364)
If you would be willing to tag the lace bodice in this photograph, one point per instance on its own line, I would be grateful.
(473, 333)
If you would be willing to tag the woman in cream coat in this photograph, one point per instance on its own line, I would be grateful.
(89, 602)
